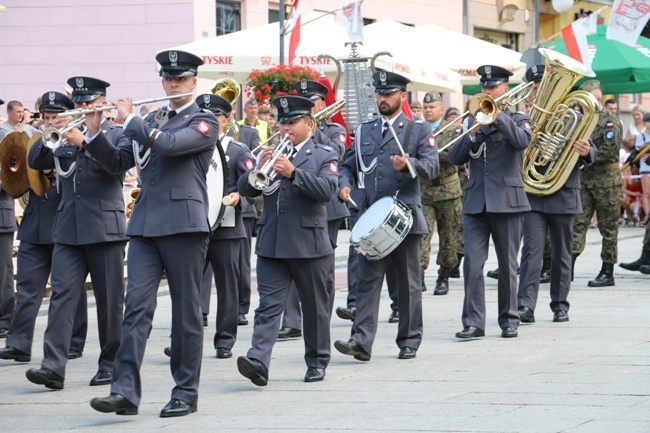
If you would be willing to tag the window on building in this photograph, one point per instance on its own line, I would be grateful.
(228, 17)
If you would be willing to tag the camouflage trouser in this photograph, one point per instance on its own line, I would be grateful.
(646, 238)
(601, 192)
(448, 214)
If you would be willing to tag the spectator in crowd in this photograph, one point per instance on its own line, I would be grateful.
(637, 126)
(16, 120)
(452, 115)
(416, 108)
(641, 141)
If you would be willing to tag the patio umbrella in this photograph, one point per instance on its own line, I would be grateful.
(619, 67)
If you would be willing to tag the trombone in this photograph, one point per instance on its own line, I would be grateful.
(485, 109)
(112, 107)
(323, 114)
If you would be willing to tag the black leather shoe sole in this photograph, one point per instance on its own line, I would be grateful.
(252, 369)
(114, 403)
(41, 377)
(351, 348)
(345, 313)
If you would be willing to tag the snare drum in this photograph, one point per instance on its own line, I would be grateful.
(381, 228)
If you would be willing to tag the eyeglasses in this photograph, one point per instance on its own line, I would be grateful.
(110, 119)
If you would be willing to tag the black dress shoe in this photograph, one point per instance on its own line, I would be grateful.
(560, 316)
(15, 354)
(254, 370)
(394, 317)
(74, 354)
(346, 313)
(205, 320)
(509, 332)
(493, 273)
(289, 334)
(526, 315)
(223, 353)
(470, 332)
(101, 378)
(168, 351)
(3, 332)
(46, 377)
(242, 320)
(315, 374)
(407, 353)
(177, 407)
(114, 403)
(352, 348)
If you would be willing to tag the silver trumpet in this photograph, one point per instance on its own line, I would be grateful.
(262, 178)
(54, 138)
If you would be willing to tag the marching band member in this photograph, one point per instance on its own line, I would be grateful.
(89, 237)
(226, 242)
(168, 233)
(333, 135)
(557, 213)
(34, 259)
(293, 243)
(495, 202)
(384, 173)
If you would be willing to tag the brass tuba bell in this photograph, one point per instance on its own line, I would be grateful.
(550, 157)
(228, 89)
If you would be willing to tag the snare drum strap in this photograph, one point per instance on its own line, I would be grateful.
(362, 168)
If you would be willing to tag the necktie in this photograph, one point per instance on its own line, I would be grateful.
(384, 130)
(171, 114)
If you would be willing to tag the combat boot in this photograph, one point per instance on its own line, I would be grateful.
(636, 265)
(605, 276)
(545, 274)
(442, 283)
(455, 271)
(423, 286)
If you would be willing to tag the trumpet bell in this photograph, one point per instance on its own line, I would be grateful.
(52, 138)
(258, 179)
(227, 88)
(483, 108)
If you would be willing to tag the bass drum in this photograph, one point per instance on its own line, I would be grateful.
(217, 179)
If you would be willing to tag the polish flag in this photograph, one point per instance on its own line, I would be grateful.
(575, 39)
(406, 109)
(294, 40)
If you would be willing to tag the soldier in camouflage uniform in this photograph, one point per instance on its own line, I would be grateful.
(601, 191)
(441, 200)
(642, 263)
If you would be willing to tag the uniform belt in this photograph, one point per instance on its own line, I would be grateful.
(605, 167)
(444, 180)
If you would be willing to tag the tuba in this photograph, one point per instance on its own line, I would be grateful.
(550, 157)
(228, 89)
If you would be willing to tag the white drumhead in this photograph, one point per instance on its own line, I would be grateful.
(372, 218)
(216, 180)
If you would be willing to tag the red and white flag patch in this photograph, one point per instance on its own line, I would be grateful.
(248, 164)
(342, 138)
(203, 127)
(334, 168)
(432, 141)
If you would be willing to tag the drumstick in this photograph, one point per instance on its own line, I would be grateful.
(227, 201)
(401, 149)
(352, 202)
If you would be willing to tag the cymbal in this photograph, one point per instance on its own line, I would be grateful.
(37, 179)
(13, 163)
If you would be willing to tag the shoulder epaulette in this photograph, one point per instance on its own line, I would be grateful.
(325, 147)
